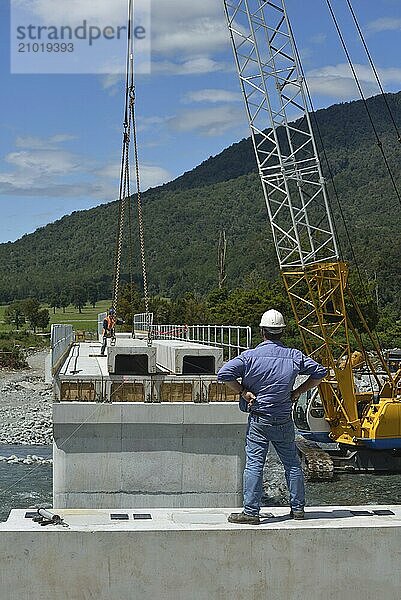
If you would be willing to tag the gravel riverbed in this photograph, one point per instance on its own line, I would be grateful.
(26, 406)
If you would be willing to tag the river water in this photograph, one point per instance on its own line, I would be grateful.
(24, 486)
(29, 486)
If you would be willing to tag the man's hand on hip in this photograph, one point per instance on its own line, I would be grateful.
(249, 397)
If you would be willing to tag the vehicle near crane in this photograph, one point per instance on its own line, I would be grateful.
(361, 425)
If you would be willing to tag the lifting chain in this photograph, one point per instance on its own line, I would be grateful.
(125, 200)
(140, 215)
(124, 191)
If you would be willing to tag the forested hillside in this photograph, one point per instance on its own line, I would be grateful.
(183, 220)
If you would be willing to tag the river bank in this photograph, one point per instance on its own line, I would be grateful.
(26, 405)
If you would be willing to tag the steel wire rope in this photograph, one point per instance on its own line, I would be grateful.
(362, 95)
(336, 194)
(363, 98)
(373, 67)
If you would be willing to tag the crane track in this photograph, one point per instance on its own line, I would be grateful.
(316, 463)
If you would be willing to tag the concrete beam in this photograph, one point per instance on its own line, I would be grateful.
(131, 357)
(188, 358)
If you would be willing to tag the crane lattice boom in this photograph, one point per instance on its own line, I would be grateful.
(287, 158)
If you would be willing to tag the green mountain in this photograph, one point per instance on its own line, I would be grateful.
(184, 217)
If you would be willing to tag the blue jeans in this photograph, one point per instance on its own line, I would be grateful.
(261, 431)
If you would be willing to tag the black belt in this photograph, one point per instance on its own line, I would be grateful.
(264, 416)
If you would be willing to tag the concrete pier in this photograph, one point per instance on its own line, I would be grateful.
(148, 455)
(335, 554)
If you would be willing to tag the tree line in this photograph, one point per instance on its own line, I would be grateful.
(28, 311)
(242, 306)
(77, 295)
(183, 221)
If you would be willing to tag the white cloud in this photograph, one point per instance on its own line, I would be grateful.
(192, 66)
(180, 30)
(52, 172)
(189, 29)
(114, 75)
(73, 12)
(41, 167)
(208, 121)
(190, 36)
(37, 143)
(43, 172)
(337, 80)
(111, 82)
(39, 163)
(384, 24)
(212, 95)
(151, 123)
(151, 175)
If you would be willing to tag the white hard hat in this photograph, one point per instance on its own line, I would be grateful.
(274, 320)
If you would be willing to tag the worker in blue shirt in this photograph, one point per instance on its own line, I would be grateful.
(267, 375)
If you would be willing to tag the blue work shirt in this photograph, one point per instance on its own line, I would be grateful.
(269, 372)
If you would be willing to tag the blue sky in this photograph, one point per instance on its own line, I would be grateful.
(60, 135)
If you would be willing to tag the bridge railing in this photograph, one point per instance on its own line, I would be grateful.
(61, 340)
(142, 322)
(232, 338)
(100, 318)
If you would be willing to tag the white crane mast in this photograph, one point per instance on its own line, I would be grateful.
(275, 97)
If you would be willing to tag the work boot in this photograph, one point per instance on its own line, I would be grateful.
(244, 519)
(298, 515)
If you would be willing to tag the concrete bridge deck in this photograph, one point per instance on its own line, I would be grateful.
(84, 361)
(195, 554)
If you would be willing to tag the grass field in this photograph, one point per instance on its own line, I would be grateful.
(87, 321)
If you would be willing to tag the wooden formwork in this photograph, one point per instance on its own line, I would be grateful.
(78, 391)
(127, 392)
(145, 390)
(176, 392)
(219, 392)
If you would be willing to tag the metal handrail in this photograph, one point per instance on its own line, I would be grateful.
(61, 340)
(232, 338)
(100, 318)
(143, 322)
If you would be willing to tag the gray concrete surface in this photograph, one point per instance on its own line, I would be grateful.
(197, 555)
(153, 455)
(129, 347)
(171, 354)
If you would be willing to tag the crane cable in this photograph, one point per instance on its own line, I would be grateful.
(362, 95)
(373, 67)
(337, 196)
(125, 199)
